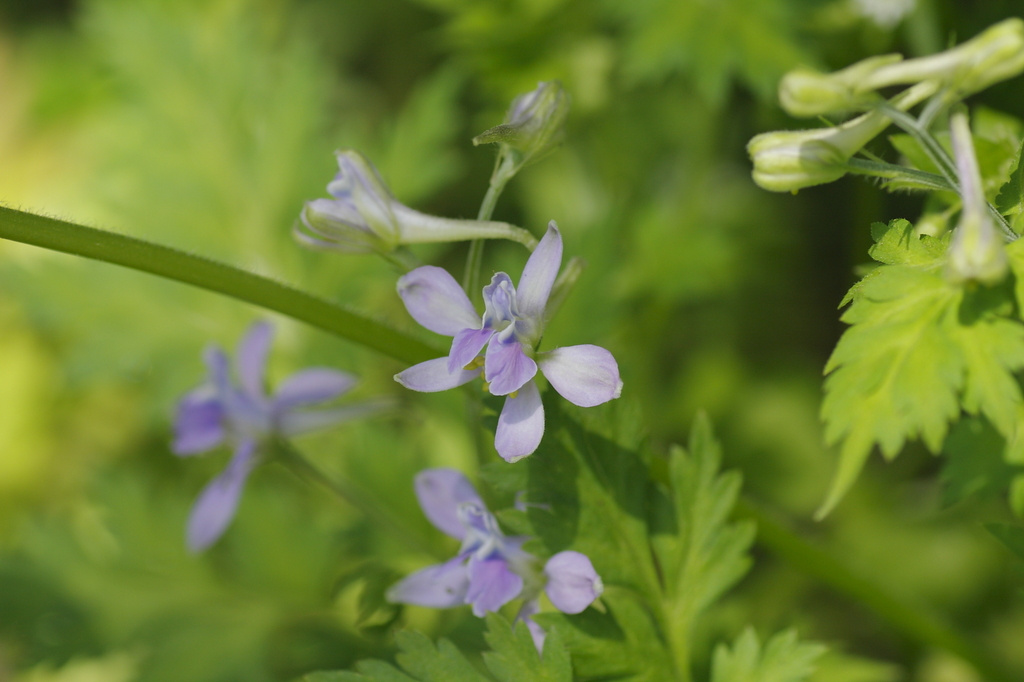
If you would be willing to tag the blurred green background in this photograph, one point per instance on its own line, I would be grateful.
(204, 124)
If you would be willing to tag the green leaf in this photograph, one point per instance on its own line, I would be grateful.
(514, 657)
(599, 499)
(1011, 536)
(783, 659)
(974, 461)
(705, 554)
(419, 660)
(1010, 201)
(918, 350)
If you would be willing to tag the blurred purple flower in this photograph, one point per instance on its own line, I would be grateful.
(490, 569)
(244, 416)
(512, 326)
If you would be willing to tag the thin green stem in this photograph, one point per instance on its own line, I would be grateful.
(288, 455)
(915, 623)
(891, 171)
(504, 169)
(938, 155)
(137, 254)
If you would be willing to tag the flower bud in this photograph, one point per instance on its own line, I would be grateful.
(787, 161)
(364, 217)
(992, 56)
(976, 252)
(534, 123)
(807, 93)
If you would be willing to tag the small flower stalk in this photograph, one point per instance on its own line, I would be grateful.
(976, 251)
(243, 416)
(993, 55)
(490, 568)
(364, 217)
(501, 346)
(787, 161)
(534, 125)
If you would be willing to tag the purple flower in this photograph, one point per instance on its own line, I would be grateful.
(244, 416)
(364, 217)
(490, 569)
(512, 325)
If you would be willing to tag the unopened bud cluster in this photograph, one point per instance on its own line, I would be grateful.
(792, 160)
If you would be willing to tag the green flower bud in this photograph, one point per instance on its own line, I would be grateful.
(992, 56)
(365, 217)
(976, 251)
(533, 125)
(806, 93)
(787, 161)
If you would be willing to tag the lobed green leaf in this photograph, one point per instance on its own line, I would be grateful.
(783, 659)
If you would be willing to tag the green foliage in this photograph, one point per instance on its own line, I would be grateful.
(712, 42)
(974, 461)
(1012, 537)
(782, 659)
(665, 554)
(1010, 201)
(917, 352)
(512, 658)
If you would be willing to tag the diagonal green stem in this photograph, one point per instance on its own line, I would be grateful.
(163, 261)
(920, 625)
(353, 495)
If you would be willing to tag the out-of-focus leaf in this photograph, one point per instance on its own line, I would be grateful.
(711, 42)
(974, 461)
(1011, 536)
(513, 658)
(783, 659)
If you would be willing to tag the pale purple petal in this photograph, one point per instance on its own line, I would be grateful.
(521, 424)
(440, 586)
(217, 365)
(573, 584)
(433, 375)
(506, 367)
(313, 385)
(526, 613)
(500, 300)
(295, 423)
(440, 492)
(584, 375)
(218, 502)
(491, 585)
(252, 357)
(436, 301)
(539, 274)
(466, 345)
(199, 424)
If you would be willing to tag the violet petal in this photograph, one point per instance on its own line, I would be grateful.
(573, 584)
(539, 274)
(433, 375)
(199, 424)
(506, 367)
(526, 613)
(491, 585)
(217, 504)
(252, 357)
(440, 586)
(440, 492)
(466, 345)
(584, 375)
(521, 424)
(436, 301)
(313, 385)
